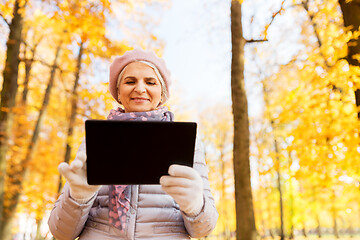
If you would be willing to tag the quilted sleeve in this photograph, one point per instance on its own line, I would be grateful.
(68, 217)
(202, 224)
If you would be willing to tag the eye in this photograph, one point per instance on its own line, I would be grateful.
(151, 81)
(129, 82)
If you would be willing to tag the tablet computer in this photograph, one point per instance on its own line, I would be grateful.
(136, 152)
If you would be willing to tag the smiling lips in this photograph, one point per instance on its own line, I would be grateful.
(139, 99)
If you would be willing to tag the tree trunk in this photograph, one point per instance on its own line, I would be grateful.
(22, 128)
(19, 170)
(270, 220)
(351, 16)
(282, 235)
(38, 227)
(304, 230)
(223, 194)
(8, 93)
(334, 213)
(318, 228)
(269, 210)
(28, 67)
(277, 163)
(74, 100)
(245, 219)
(292, 210)
(291, 202)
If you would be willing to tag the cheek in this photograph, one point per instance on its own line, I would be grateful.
(157, 94)
(119, 95)
(123, 92)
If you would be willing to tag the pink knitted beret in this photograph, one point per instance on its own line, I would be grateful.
(132, 56)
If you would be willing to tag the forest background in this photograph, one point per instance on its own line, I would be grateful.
(301, 85)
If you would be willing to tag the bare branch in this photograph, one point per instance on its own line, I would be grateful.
(305, 5)
(43, 62)
(256, 40)
(2, 16)
(271, 21)
(277, 13)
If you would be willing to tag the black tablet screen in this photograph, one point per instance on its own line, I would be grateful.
(134, 152)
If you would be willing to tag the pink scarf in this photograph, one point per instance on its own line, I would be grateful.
(119, 195)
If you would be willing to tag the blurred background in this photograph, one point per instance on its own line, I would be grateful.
(302, 81)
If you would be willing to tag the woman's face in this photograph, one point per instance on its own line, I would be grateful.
(139, 89)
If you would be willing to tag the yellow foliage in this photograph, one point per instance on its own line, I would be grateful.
(311, 113)
(6, 9)
(68, 25)
(217, 135)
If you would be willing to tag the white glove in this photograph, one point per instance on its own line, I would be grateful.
(185, 186)
(75, 175)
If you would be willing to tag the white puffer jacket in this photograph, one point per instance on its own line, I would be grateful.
(153, 214)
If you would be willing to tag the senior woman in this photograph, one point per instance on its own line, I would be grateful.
(180, 207)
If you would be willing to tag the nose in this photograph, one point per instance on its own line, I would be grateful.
(140, 88)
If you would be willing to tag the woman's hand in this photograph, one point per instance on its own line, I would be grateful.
(186, 187)
(75, 174)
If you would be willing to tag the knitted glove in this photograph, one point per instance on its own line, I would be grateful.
(185, 186)
(75, 175)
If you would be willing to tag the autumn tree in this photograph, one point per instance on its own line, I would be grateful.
(313, 113)
(312, 100)
(47, 53)
(217, 135)
(83, 25)
(351, 15)
(18, 168)
(245, 220)
(9, 90)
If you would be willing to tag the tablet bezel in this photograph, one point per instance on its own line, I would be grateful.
(152, 146)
